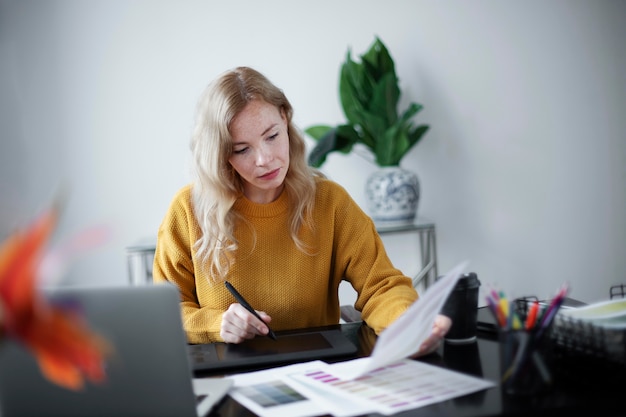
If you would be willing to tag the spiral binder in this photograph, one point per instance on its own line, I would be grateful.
(618, 290)
(578, 337)
(584, 340)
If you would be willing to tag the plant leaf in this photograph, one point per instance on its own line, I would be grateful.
(318, 131)
(378, 61)
(355, 89)
(417, 134)
(341, 139)
(372, 127)
(384, 101)
(385, 147)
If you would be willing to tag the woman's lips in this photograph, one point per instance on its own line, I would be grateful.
(270, 175)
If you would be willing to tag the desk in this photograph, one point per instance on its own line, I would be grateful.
(570, 395)
(140, 256)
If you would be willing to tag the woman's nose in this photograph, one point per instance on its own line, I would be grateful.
(263, 156)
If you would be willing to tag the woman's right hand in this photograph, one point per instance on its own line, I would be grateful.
(238, 324)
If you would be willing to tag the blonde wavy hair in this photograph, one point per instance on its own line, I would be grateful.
(217, 185)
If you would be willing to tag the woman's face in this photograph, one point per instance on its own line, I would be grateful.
(260, 150)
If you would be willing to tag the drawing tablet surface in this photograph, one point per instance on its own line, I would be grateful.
(259, 351)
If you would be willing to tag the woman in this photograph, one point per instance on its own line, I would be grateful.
(281, 233)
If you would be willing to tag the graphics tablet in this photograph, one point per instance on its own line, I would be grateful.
(288, 347)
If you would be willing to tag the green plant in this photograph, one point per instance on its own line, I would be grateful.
(369, 95)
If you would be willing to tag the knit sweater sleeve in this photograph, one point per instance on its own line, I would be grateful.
(174, 263)
(384, 292)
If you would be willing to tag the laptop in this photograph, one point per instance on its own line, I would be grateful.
(149, 374)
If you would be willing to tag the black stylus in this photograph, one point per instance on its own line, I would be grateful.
(247, 306)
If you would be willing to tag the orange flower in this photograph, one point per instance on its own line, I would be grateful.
(67, 351)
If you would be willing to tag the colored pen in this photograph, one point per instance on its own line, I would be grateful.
(516, 322)
(494, 309)
(532, 315)
(494, 306)
(494, 295)
(247, 306)
(504, 308)
(550, 313)
(555, 304)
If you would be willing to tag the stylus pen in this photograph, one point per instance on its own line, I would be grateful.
(247, 306)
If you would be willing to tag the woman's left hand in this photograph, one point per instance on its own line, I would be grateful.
(441, 326)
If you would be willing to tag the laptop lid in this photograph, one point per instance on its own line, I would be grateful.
(149, 373)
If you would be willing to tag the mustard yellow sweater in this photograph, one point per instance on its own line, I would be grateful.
(296, 289)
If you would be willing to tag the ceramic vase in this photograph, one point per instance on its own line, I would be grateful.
(392, 195)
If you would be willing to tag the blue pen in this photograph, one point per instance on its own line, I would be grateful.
(247, 306)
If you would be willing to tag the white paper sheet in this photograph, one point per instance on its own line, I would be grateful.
(396, 387)
(272, 393)
(404, 336)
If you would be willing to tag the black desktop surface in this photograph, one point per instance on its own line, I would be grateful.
(578, 388)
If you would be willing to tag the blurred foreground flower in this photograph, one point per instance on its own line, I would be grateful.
(67, 351)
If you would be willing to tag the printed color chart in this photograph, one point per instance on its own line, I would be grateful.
(272, 394)
(400, 386)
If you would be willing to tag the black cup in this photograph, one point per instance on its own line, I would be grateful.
(462, 308)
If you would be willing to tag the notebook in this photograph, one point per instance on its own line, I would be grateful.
(150, 374)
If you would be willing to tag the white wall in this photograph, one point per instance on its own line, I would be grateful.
(523, 169)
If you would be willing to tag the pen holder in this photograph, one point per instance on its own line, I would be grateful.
(525, 361)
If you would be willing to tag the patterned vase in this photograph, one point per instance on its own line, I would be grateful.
(392, 194)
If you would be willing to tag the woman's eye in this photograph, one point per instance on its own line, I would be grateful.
(274, 136)
(240, 151)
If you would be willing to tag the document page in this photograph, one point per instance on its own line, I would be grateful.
(404, 336)
(400, 386)
(273, 393)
